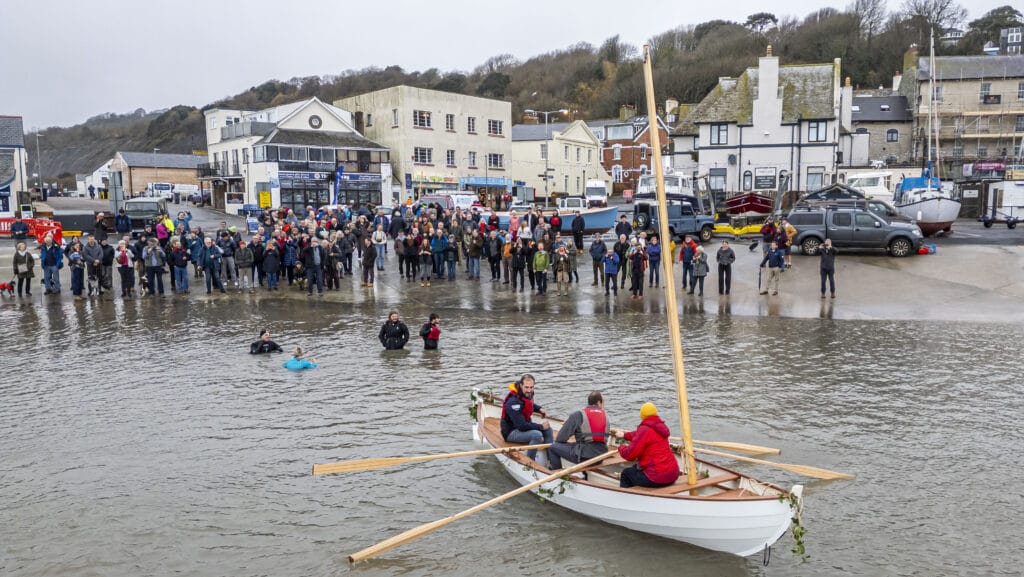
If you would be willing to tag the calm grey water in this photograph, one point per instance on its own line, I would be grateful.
(143, 440)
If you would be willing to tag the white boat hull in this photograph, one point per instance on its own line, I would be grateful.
(741, 526)
(932, 214)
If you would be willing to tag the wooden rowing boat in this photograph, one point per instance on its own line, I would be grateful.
(710, 506)
(728, 511)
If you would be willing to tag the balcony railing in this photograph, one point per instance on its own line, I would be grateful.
(212, 169)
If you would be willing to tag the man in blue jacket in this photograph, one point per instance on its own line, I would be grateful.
(19, 229)
(611, 270)
(51, 258)
(775, 259)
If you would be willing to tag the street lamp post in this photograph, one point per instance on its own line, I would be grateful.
(156, 171)
(39, 168)
(547, 145)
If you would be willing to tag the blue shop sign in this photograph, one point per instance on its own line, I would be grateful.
(283, 174)
(361, 177)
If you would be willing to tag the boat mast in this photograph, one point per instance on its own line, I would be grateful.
(671, 306)
(933, 113)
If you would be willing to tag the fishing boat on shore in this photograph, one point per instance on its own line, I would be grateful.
(921, 198)
(722, 511)
(598, 219)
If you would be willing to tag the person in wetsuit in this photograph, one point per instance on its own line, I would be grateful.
(264, 345)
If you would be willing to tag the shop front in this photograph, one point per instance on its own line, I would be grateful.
(490, 189)
(302, 189)
(359, 189)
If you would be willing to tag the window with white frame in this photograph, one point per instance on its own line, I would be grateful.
(471, 125)
(982, 152)
(449, 122)
(544, 151)
(1020, 91)
(472, 159)
(938, 92)
(245, 154)
(617, 152)
(719, 134)
(421, 118)
(986, 89)
(892, 135)
(1019, 126)
(815, 178)
(495, 160)
(394, 117)
(748, 180)
(577, 185)
(423, 155)
(617, 173)
(369, 120)
(449, 157)
(495, 127)
(958, 150)
(590, 155)
(577, 154)
(565, 185)
(643, 152)
(816, 131)
(982, 124)
(1014, 36)
(565, 153)
(1013, 49)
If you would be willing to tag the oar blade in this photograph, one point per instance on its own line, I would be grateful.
(804, 470)
(360, 465)
(741, 447)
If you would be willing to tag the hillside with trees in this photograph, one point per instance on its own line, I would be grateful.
(592, 81)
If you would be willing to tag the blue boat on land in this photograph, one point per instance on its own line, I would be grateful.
(595, 219)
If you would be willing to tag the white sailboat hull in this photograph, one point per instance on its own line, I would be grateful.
(741, 527)
(932, 214)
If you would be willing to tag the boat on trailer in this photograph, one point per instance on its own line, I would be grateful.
(723, 511)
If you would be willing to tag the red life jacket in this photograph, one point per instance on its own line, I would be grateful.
(595, 425)
(527, 405)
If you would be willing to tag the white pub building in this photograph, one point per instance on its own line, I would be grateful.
(774, 128)
(296, 155)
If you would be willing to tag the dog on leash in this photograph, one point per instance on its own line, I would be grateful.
(7, 287)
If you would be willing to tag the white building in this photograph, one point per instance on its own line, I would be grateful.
(772, 128)
(440, 140)
(13, 160)
(575, 157)
(296, 155)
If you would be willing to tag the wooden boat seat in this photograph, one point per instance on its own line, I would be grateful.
(684, 486)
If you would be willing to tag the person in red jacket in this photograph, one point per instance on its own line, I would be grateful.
(656, 464)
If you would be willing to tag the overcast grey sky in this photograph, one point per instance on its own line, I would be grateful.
(66, 60)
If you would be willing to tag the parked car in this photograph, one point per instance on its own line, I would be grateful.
(682, 220)
(852, 227)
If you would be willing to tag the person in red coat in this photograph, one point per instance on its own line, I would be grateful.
(656, 464)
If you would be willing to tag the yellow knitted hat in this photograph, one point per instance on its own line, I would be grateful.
(647, 410)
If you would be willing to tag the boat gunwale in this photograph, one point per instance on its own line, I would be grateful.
(488, 434)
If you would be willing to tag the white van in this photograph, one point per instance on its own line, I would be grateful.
(596, 193)
(463, 200)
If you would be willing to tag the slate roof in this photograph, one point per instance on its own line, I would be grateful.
(807, 93)
(12, 132)
(972, 67)
(162, 160)
(7, 168)
(319, 138)
(872, 109)
(523, 132)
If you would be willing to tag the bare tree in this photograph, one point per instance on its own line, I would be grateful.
(939, 14)
(872, 16)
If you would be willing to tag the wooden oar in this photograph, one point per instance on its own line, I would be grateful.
(741, 447)
(801, 469)
(417, 532)
(382, 462)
